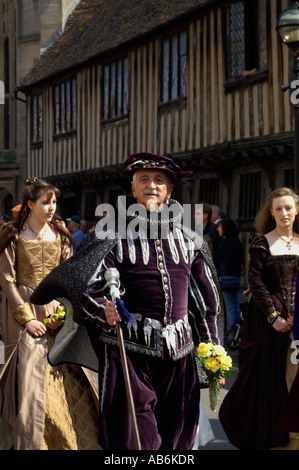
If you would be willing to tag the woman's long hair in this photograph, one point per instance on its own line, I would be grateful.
(34, 189)
(265, 222)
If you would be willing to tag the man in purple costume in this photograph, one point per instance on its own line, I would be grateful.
(169, 285)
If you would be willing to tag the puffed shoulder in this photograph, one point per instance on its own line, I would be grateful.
(8, 230)
(61, 223)
(8, 235)
(7, 227)
(259, 242)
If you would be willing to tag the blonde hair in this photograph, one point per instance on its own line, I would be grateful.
(264, 221)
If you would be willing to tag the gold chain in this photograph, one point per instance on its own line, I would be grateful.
(287, 242)
(39, 235)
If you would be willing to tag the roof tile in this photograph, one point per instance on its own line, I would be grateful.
(96, 27)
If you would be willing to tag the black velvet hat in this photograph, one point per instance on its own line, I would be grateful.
(153, 161)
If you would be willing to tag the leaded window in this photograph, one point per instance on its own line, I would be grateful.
(209, 190)
(174, 68)
(7, 104)
(249, 195)
(65, 103)
(36, 119)
(116, 89)
(246, 37)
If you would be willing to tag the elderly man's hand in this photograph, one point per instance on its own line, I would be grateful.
(111, 314)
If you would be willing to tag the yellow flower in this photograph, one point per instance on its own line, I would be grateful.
(226, 362)
(219, 350)
(204, 349)
(212, 364)
(217, 364)
(59, 315)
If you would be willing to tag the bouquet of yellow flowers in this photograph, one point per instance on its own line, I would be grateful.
(59, 315)
(217, 364)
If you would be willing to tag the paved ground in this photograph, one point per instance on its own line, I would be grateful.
(221, 442)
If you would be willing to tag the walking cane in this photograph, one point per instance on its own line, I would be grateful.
(112, 276)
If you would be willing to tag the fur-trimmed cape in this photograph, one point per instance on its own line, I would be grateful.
(77, 340)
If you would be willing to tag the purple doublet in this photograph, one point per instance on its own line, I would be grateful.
(155, 287)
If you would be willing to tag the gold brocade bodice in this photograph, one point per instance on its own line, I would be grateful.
(35, 260)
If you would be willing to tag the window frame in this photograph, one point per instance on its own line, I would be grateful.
(252, 69)
(173, 88)
(249, 197)
(7, 100)
(65, 107)
(209, 189)
(115, 90)
(36, 119)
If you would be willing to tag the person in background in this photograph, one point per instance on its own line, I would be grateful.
(74, 224)
(15, 210)
(85, 227)
(217, 214)
(252, 413)
(228, 259)
(204, 226)
(51, 408)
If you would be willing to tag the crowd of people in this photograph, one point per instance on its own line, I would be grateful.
(221, 234)
(176, 289)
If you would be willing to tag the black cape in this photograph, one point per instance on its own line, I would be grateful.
(78, 341)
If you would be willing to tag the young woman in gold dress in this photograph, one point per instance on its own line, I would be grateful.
(53, 408)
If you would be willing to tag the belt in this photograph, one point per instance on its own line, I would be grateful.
(148, 336)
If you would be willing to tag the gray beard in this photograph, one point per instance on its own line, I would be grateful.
(151, 206)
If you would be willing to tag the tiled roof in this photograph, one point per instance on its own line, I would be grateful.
(96, 27)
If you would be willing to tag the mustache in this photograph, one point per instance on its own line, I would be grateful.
(155, 192)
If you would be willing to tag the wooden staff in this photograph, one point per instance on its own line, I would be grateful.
(112, 276)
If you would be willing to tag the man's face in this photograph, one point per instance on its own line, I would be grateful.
(201, 218)
(72, 226)
(151, 187)
(84, 226)
(198, 216)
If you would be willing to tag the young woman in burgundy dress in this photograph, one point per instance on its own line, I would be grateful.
(253, 410)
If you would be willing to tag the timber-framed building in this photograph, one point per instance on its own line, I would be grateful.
(199, 80)
(27, 29)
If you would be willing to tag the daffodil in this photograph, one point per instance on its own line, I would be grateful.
(217, 364)
(59, 315)
(212, 364)
(226, 362)
(219, 350)
(204, 349)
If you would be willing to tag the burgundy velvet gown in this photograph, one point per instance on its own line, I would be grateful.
(251, 411)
